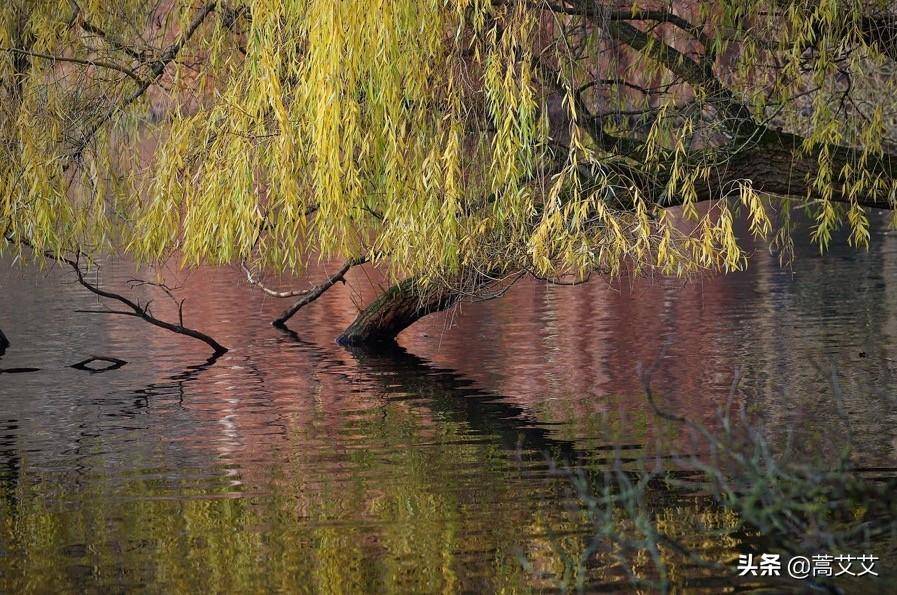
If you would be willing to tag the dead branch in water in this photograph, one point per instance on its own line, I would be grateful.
(310, 295)
(135, 309)
(142, 312)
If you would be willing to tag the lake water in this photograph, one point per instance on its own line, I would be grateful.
(293, 464)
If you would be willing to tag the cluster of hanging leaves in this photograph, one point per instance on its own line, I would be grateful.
(432, 135)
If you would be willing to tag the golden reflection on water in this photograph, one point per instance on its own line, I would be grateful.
(401, 523)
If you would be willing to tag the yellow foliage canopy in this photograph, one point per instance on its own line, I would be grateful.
(436, 135)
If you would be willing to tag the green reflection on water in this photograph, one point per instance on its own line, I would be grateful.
(452, 515)
(400, 523)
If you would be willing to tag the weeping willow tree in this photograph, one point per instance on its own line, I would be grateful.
(456, 143)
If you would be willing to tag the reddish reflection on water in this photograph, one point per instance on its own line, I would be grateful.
(545, 368)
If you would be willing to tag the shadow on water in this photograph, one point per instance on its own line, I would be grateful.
(451, 396)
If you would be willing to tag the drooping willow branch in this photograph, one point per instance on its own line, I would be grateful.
(251, 277)
(317, 291)
(306, 295)
(775, 161)
(158, 68)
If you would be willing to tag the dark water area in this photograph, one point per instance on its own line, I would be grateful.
(293, 464)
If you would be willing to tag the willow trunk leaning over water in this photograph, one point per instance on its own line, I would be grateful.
(396, 309)
(449, 142)
(775, 162)
(775, 166)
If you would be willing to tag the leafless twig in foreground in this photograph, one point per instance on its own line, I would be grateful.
(317, 291)
(134, 308)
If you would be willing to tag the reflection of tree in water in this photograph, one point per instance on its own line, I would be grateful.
(429, 483)
(9, 460)
(453, 398)
(10, 463)
(657, 509)
(441, 486)
(828, 322)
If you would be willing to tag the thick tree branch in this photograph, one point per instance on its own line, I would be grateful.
(408, 301)
(696, 71)
(773, 160)
(396, 309)
(591, 8)
(778, 165)
(697, 74)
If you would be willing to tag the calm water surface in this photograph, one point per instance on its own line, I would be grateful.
(293, 464)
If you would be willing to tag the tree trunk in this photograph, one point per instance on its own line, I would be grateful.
(4, 342)
(778, 166)
(396, 309)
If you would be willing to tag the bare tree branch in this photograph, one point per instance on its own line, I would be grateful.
(485, 297)
(143, 311)
(317, 291)
(83, 61)
(253, 280)
(87, 27)
(134, 308)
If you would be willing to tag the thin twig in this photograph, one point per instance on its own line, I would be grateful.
(87, 27)
(253, 280)
(82, 61)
